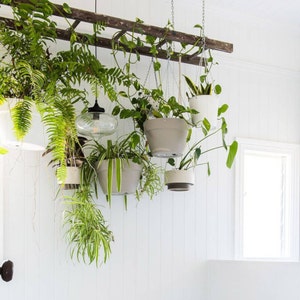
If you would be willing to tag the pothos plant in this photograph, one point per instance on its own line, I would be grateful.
(145, 103)
(191, 158)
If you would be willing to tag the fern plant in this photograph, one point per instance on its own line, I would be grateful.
(29, 72)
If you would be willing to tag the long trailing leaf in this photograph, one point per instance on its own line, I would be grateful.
(118, 169)
(233, 148)
(110, 171)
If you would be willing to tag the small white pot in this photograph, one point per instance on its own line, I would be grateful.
(179, 180)
(131, 173)
(207, 107)
(73, 178)
(166, 136)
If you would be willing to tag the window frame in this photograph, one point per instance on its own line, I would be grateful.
(291, 150)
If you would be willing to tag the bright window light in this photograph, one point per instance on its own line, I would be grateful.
(267, 201)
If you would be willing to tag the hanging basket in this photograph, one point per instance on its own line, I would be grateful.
(72, 180)
(179, 180)
(131, 174)
(207, 107)
(166, 136)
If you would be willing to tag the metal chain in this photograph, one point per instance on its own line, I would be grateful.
(96, 52)
(202, 33)
(173, 14)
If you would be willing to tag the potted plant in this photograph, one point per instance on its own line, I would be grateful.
(182, 177)
(202, 97)
(74, 160)
(163, 122)
(50, 83)
(45, 81)
(124, 167)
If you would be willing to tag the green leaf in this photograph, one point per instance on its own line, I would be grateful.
(110, 172)
(171, 161)
(232, 153)
(222, 109)
(198, 26)
(206, 124)
(157, 114)
(189, 135)
(123, 94)
(156, 66)
(3, 150)
(66, 8)
(217, 89)
(118, 173)
(116, 110)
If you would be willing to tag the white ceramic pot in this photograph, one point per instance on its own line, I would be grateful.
(72, 180)
(166, 136)
(179, 180)
(131, 173)
(35, 139)
(207, 107)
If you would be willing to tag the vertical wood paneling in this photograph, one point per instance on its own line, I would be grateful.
(161, 245)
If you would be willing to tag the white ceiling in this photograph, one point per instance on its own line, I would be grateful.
(280, 12)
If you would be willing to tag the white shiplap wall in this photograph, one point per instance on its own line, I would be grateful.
(161, 245)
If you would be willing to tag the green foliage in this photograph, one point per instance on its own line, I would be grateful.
(21, 117)
(205, 87)
(3, 150)
(87, 231)
(130, 147)
(197, 150)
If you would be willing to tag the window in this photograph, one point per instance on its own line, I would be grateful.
(267, 201)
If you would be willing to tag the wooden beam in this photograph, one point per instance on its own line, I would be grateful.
(164, 34)
(121, 24)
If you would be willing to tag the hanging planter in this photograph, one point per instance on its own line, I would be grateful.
(12, 137)
(207, 108)
(124, 184)
(166, 136)
(179, 180)
(72, 180)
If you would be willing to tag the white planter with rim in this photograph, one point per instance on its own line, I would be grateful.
(207, 107)
(35, 139)
(131, 173)
(72, 180)
(179, 180)
(166, 136)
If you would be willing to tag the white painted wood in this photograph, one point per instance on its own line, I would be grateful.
(234, 280)
(161, 246)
